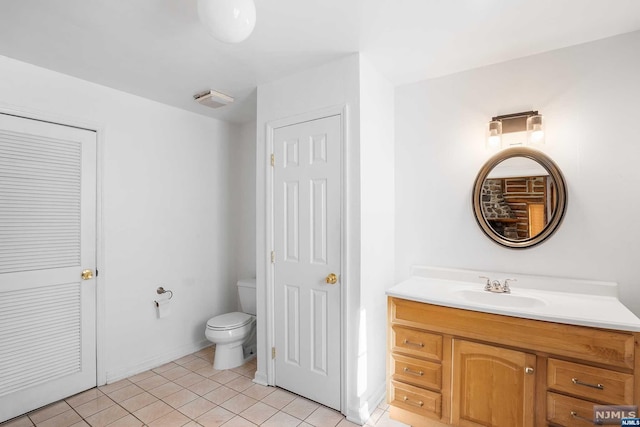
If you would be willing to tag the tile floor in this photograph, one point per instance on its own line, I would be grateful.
(189, 392)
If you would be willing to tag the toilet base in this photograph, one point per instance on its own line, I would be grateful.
(232, 355)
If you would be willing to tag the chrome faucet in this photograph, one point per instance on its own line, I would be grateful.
(496, 286)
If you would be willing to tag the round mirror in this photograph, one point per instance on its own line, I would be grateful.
(519, 197)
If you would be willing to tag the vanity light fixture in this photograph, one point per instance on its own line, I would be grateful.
(526, 128)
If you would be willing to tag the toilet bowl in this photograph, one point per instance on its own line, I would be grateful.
(234, 334)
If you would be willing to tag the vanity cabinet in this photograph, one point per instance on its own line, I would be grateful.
(449, 366)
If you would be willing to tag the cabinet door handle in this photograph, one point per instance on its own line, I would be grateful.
(416, 373)
(416, 344)
(419, 403)
(575, 415)
(578, 382)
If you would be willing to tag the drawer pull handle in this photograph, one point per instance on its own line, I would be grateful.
(575, 415)
(416, 373)
(419, 403)
(416, 344)
(578, 382)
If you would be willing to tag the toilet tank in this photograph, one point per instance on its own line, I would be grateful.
(247, 295)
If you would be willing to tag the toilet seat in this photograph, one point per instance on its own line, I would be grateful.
(228, 321)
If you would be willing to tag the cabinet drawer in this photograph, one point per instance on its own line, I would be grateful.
(589, 382)
(568, 411)
(416, 342)
(415, 371)
(417, 400)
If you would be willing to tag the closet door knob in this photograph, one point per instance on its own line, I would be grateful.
(87, 274)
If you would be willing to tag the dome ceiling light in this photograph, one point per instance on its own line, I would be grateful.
(230, 21)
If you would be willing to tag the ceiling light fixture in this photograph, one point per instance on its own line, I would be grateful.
(230, 21)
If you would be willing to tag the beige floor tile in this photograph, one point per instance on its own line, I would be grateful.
(203, 387)
(65, 419)
(324, 417)
(281, 419)
(106, 417)
(197, 407)
(346, 423)
(207, 372)
(172, 419)
(238, 403)
(215, 417)
(84, 397)
(175, 373)
(82, 423)
(205, 353)
(224, 377)
(141, 376)
(220, 395)
(259, 413)
(303, 424)
(300, 408)
(185, 359)
(258, 391)
(152, 412)
(125, 393)
(126, 421)
(375, 416)
(180, 398)
(106, 389)
(138, 402)
(240, 384)
(164, 368)
(49, 411)
(196, 364)
(192, 424)
(385, 421)
(165, 390)
(238, 421)
(22, 421)
(152, 382)
(94, 406)
(279, 398)
(189, 379)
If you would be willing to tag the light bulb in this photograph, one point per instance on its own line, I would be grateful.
(494, 135)
(535, 130)
(230, 21)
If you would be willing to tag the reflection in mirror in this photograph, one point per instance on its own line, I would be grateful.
(519, 197)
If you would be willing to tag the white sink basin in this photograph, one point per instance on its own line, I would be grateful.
(499, 299)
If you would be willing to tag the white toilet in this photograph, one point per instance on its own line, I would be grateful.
(234, 334)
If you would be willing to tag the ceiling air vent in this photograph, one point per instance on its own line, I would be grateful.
(213, 99)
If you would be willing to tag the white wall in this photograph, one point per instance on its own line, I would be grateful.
(243, 195)
(589, 97)
(166, 216)
(377, 243)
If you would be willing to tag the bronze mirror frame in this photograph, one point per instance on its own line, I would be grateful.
(561, 189)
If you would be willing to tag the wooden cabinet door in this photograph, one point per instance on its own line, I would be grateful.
(491, 386)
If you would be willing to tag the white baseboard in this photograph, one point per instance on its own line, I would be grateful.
(362, 414)
(260, 378)
(154, 362)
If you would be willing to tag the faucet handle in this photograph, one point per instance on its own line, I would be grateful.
(487, 286)
(506, 283)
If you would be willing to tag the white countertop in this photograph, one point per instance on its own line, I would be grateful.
(586, 303)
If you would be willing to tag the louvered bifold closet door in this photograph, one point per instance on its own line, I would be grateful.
(47, 237)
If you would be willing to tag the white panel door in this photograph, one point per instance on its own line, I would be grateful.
(307, 240)
(47, 237)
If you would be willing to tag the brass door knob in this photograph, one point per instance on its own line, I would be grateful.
(87, 274)
(528, 370)
(331, 279)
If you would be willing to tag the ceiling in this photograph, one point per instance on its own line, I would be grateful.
(159, 50)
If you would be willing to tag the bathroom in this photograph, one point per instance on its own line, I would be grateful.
(181, 203)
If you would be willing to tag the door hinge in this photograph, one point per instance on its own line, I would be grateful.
(273, 257)
(273, 352)
(273, 159)
(96, 272)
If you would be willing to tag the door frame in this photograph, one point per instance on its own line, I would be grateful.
(271, 126)
(99, 129)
